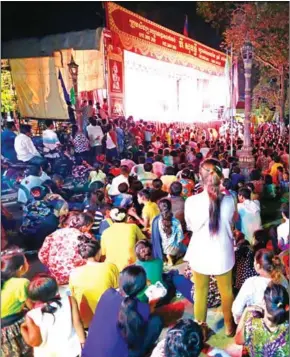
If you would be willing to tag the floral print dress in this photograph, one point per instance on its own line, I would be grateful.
(260, 341)
(81, 143)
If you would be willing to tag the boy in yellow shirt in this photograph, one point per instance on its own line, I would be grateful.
(149, 212)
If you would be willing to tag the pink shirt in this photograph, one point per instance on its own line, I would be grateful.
(158, 168)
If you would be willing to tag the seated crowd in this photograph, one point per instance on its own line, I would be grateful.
(144, 198)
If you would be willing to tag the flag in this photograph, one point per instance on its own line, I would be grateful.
(72, 96)
(185, 28)
(65, 93)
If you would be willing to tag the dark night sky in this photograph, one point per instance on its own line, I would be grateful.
(26, 19)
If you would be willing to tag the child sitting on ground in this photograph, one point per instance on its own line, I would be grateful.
(97, 175)
(123, 199)
(154, 271)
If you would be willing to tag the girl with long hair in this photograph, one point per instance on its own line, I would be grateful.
(53, 325)
(209, 216)
(264, 330)
(167, 235)
(13, 297)
(122, 325)
(269, 269)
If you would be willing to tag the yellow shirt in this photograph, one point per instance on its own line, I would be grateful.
(168, 138)
(167, 180)
(150, 211)
(92, 280)
(118, 244)
(94, 176)
(13, 296)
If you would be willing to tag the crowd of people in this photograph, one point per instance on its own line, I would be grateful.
(150, 196)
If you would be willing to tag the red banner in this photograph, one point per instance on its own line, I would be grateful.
(116, 76)
(117, 107)
(125, 22)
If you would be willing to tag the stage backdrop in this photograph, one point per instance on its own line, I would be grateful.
(134, 33)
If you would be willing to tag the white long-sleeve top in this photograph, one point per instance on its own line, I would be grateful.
(251, 293)
(207, 254)
(25, 148)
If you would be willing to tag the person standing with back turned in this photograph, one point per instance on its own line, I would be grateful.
(209, 216)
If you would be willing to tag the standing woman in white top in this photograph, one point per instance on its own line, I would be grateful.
(53, 325)
(209, 216)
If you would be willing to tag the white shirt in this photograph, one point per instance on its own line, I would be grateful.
(283, 234)
(226, 173)
(25, 148)
(207, 254)
(110, 143)
(204, 151)
(115, 184)
(93, 133)
(58, 335)
(249, 213)
(251, 293)
(50, 142)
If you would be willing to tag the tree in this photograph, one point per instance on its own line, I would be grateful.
(266, 25)
(8, 99)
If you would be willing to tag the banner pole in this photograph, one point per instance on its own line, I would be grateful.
(231, 101)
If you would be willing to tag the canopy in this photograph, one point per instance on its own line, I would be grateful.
(47, 45)
(39, 69)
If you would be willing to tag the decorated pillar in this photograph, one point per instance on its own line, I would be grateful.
(114, 68)
(246, 159)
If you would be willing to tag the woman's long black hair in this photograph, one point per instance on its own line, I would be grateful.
(130, 323)
(43, 288)
(277, 303)
(211, 174)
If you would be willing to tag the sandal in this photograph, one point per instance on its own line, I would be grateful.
(232, 331)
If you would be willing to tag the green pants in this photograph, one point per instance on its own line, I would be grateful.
(225, 287)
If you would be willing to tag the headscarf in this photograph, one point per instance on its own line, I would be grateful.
(117, 215)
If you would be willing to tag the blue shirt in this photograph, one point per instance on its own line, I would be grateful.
(7, 145)
(123, 200)
(236, 178)
(104, 338)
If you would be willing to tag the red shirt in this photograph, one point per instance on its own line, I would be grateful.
(105, 107)
(116, 171)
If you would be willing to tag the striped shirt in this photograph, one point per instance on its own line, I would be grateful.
(98, 217)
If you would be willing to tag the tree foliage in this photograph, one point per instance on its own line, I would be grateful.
(8, 99)
(266, 25)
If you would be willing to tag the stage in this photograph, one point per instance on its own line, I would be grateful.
(159, 91)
